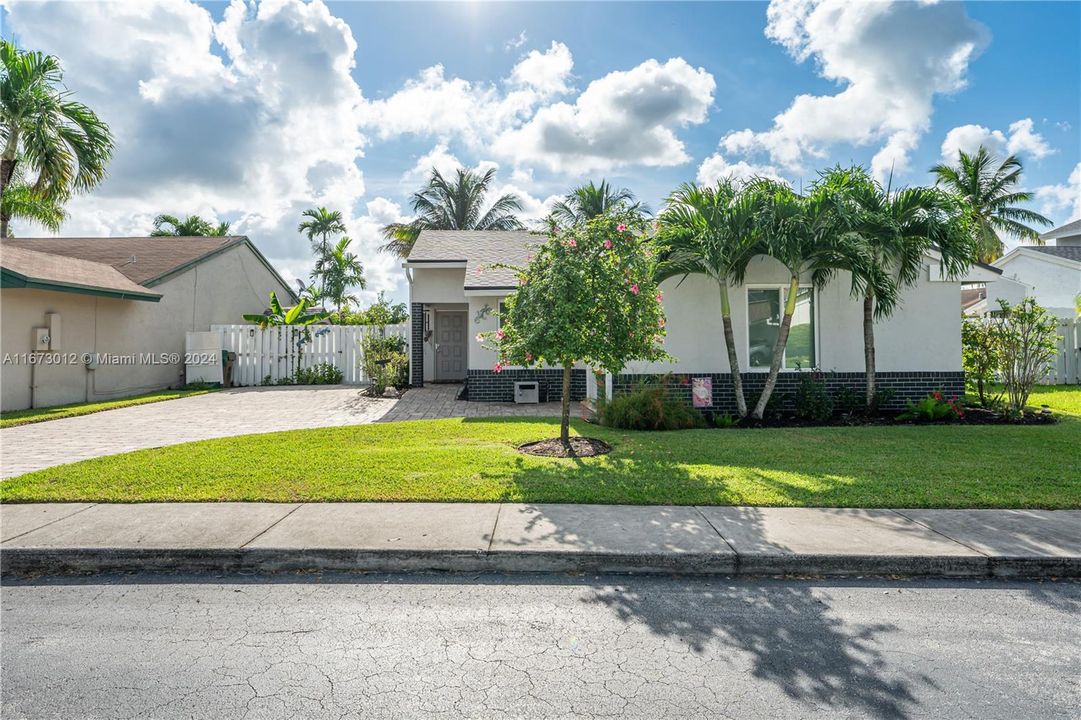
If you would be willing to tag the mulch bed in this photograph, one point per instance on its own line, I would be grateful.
(579, 447)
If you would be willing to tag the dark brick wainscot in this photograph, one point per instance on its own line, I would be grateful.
(489, 386)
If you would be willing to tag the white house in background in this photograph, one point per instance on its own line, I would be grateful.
(64, 298)
(1049, 273)
(454, 295)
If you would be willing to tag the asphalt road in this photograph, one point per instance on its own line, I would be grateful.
(533, 647)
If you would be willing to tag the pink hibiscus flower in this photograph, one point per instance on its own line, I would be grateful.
(572, 243)
(608, 244)
(500, 334)
(479, 338)
(660, 296)
(621, 227)
(498, 368)
(634, 288)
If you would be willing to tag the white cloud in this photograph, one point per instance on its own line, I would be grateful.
(516, 42)
(438, 158)
(624, 118)
(249, 120)
(891, 59)
(716, 167)
(1064, 198)
(546, 72)
(1021, 139)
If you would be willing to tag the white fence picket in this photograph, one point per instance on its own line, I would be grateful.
(272, 352)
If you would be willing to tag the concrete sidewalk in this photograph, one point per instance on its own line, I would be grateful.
(269, 537)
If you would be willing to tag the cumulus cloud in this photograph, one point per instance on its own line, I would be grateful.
(624, 118)
(716, 167)
(890, 58)
(1063, 198)
(250, 120)
(1021, 139)
(546, 72)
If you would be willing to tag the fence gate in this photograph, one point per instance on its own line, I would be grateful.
(267, 355)
(1066, 368)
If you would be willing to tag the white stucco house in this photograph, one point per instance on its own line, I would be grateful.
(453, 297)
(1050, 273)
(129, 300)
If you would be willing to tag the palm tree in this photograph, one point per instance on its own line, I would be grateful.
(341, 270)
(59, 140)
(322, 223)
(455, 204)
(894, 232)
(586, 202)
(988, 189)
(21, 200)
(191, 226)
(710, 231)
(801, 232)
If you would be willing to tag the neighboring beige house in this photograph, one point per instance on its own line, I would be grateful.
(454, 294)
(126, 302)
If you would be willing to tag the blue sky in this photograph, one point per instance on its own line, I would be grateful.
(250, 113)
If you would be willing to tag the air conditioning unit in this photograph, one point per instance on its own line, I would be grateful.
(527, 392)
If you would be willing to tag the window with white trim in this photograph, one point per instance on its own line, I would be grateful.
(764, 310)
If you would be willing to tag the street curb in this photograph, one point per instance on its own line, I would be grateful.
(51, 561)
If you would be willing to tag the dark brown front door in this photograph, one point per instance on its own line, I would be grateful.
(450, 346)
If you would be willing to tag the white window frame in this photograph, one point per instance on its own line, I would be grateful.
(783, 287)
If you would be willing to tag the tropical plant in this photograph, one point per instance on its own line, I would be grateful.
(277, 315)
(191, 226)
(453, 204)
(811, 401)
(801, 232)
(711, 231)
(988, 190)
(321, 374)
(894, 232)
(589, 296)
(321, 223)
(981, 356)
(649, 407)
(379, 314)
(933, 408)
(586, 202)
(63, 143)
(386, 362)
(21, 201)
(1029, 343)
(340, 270)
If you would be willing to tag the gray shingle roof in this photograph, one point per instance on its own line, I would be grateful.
(478, 249)
(1070, 228)
(1070, 253)
(50, 271)
(153, 256)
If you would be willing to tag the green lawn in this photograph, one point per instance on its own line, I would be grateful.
(25, 417)
(476, 460)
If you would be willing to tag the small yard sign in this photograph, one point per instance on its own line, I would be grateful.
(702, 392)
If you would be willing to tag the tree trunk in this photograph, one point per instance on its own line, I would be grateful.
(869, 347)
(730, 346)
(778, 349)
(565, 420)
(7, 169)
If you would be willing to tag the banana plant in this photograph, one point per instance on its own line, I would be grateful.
(296, 315)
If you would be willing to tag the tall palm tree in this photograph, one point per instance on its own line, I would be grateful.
(20, 200)
(894, 230)
(453, 204)
(989, 191)
(586, 202)
(60, 141)
(711, 231)
(341, 270)
(191, 226)
(322, 223)
(801, 232)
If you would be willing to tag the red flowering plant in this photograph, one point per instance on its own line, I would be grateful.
(587, 297)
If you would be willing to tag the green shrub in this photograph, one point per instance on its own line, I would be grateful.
(321, 374)
(386, 362)
(810, 401)
(647, 407)
(933, 408)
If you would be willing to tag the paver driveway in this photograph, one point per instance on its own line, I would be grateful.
(239, 411)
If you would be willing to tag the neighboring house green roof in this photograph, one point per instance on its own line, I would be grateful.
(146, 261)
(22, 268)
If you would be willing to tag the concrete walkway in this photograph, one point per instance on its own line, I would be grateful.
(239, 411)
(539, 538)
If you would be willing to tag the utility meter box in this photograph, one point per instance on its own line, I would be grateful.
(41, 339)
(53, 321)
(526, 393)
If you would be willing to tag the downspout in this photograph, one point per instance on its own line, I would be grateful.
(409, 279)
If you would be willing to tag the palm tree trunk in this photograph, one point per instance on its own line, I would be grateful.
(869, 347)
(778, 349)
(730, 346)
(565, 420)
(7, 169)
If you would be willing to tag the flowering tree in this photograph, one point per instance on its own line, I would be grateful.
(587, 296)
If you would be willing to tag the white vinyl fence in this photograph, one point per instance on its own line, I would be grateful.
(278, 352)
(1066, 368)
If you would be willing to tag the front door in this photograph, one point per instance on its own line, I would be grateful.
(450, 346)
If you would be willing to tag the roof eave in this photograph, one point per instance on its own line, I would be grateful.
(12, 279)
